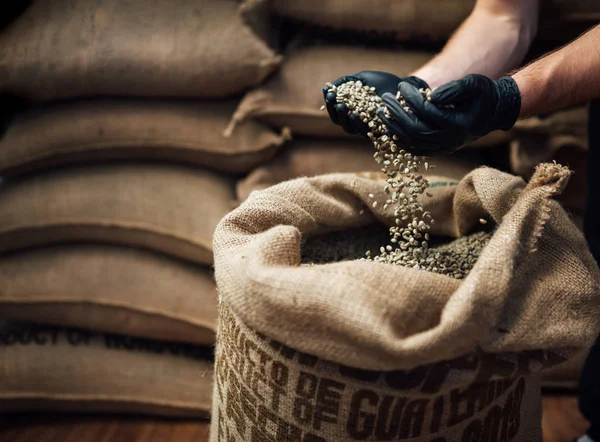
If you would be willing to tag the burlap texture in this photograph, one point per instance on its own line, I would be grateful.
(560, 137)
(66, 48)
(535, 286)
(45, 368)
(92, 130)
(402, 20)
(308, 157)
(265, 391)
(163, 207)
(292, 98)
(112, 289)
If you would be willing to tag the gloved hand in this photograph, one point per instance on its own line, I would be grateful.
(459, 112)
(383, 82)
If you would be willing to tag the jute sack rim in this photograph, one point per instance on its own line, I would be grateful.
(127, 306)
(262, 285)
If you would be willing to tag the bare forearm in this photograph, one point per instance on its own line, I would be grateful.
(492, 41)
(564, 78)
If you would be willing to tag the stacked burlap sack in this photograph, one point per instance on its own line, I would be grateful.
(429, 21)
(113, 183)
(358, 350)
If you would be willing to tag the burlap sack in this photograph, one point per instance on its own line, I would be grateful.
(430, 20)
(319, 157)
(266, 391)
(167, 208)
(470, 350)
(560, 137)
(44, 368)
(293, 97)
(111, 289)
(66, 48)
(536, 273)
(86, 131)
(394, 19)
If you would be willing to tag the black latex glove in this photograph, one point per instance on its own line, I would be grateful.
(383, 82)
(459, 112)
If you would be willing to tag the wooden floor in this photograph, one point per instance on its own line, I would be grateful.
(562, 422)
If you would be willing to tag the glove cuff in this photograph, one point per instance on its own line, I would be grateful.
(509, 103)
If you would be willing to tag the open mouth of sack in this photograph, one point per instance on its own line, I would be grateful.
(456, 256)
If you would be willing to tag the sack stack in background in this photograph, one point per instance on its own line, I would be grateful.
(64, 369)
(134, 129)
(67, 49)
(427, 21)
(367, 351)
(114, 180)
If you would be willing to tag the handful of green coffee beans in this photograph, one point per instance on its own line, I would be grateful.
(409, 244)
